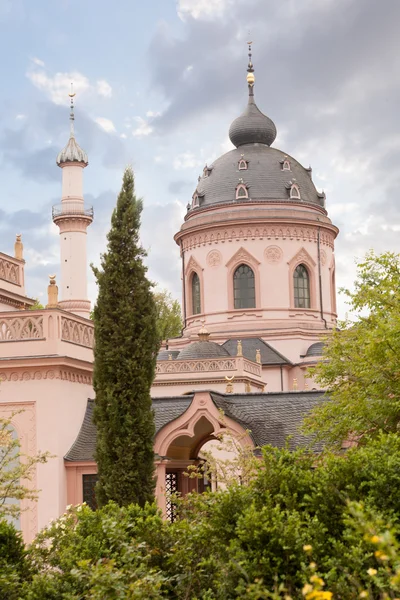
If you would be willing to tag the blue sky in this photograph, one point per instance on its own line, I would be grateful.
(158, 85)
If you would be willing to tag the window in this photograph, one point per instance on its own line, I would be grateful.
(196, 303)
(294, 191)
(242, 165)
(195, 201)
(286, 165)
(241, 191)
(301, 282)
(244, 291)
(88, 493)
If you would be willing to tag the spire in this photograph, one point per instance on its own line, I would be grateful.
(252, 127)
(250, 77)
(71, 114)
(72, 151)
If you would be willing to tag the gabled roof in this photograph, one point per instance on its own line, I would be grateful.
(270, 417)
(269, 356)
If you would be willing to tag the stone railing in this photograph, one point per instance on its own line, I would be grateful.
(251, 367)
(76, 332)
(9, 271)
(15, 329)
(196, 366)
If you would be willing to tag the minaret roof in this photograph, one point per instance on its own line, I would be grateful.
(72, 151)
(252, 127)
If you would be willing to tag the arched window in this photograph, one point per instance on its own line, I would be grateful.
(241, 191)
(295, 192)
(286, 165)
(301, 281)
(244, 290)
(242, 165)
(195, 201)
(196, 302)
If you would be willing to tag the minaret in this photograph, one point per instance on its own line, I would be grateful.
(73, 218)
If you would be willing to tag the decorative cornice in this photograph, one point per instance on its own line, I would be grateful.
(38, 373)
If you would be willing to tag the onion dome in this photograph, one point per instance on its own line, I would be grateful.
(252, 127)
(72, 151)
(203, 348)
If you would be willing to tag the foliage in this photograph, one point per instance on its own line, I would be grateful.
(16, 471)
(169, 315)
(361, 370)
(37, 306)
(14, 567)
(297, 530)
(125, 357)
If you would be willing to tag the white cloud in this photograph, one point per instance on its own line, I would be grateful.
(37, 61)
(59, 86)
(106, 124)
(143, 128)
(123, 136)
(186, 160)
(104, 88)
(152, 113)
(202, 9)
(20, 117)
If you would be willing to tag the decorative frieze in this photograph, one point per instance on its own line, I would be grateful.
(57, 373)
(219, 235)
(77, 332)
(196, 366)
(14, 329)
(9, 271)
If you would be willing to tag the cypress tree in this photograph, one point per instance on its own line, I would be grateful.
(125, 357)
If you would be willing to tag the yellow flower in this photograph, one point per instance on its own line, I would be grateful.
(313, 566)
(364, 594)
(375, 539)
(372, 572)
(306, 589)
(307, 548)
(317, 580)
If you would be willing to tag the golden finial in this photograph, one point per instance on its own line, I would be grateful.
(247, 387)
(169, 356)
(258, 356)
(72, 93)
(239, 348)
(295, 387)
(250, 69)
(18, 247)
(229, 385)
(203, 332)
(306, 386)
(52, 293)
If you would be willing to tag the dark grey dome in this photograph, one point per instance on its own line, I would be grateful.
(202, 350)
(252, 127)
(264, 178)
(315, 349)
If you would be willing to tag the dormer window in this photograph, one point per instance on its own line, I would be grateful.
(241, 192)
(286, 165)
(294, 191)
(207, 171)
(243, 165)
(195, 200)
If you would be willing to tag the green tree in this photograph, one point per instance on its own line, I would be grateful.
(169, 315)
(125, 356)
(361, 366)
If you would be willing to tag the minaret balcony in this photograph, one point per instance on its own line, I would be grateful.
(72, 209)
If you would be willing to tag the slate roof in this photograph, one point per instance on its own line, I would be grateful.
(264, 177)
(315, 349)
(204, 349)
(252, 127)
(271, 417)
(165, 354)
(269, 356)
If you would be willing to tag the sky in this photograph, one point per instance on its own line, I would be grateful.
(157, 85)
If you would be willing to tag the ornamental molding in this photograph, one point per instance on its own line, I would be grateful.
(196, 366)
(302, 256)
(9, 271)
(193, 265)
(214, 258)
(221, 235)
(37, 374)
(13, 329)
(77, 333)
(242, 255)
(273, 254)
(71, 305)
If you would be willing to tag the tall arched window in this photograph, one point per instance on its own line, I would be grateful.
(301, 281)
(244, 290)
(196, 302)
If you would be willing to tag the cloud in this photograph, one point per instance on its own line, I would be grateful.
(143, 128)
(37, 62)
(104, 88)
(202, 9)
(177, 187)
(20, 117)
(186, 160)
(58, 86)
(106, 124)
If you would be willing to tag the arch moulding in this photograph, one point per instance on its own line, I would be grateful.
(243, 257)
(303, 258)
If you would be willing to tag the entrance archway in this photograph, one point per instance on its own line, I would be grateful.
(178, 446)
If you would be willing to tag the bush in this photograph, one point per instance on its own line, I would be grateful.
(14, 567)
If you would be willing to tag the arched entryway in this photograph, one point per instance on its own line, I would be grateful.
(178, 447)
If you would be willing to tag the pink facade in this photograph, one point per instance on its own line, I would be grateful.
(258, 294)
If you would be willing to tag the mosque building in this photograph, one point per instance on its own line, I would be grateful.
(258, 295)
